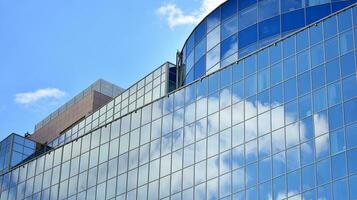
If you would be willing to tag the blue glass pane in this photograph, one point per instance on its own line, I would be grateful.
(308, 177)
(303, 38)
(200, 68)
(229, 46)
(333, 71)
(275, 53)
(263, 59)
(245, 3)
(305, 108)
(337, 141)
(226, 77)
(290, 5)
(247, 36)
(279, 188)
(335, 117)
(277, 94)
(349, 87)
(269, 27)
(296, 16)
(276, 74)
(352, 160)
(294, 183)
(268, 8)
(190, 76)
(200, 32)
(339, 5)
(334, 94)
(338, 166)
(229, 27)
(324, 192)
(263, 80)
(228, 9)
(315, 2)
(213, 19)
(317, 12)
(304, 83)
(290, 89)
(200, 50)
(345, 42)
(318, 77)
(250, 65)
(330, 27)
(317, 55)
(320, 100)
(289, 68)
(344, 20)
(340, 190)
(238, 71)
(348, 64)
(330, 47)
(353, 186)
(247, 17)
(190, 44)
(323, 172)
(303, 61)
(351, 136)
(350, 109)
(250, 85)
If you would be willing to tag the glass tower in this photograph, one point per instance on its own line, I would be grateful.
(277, 122)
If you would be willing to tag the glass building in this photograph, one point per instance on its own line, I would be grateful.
(274, 119)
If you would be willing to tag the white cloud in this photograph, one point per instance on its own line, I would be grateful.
(32, 97)
(175, 16)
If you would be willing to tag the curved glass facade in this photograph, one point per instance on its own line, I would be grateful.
(238, 27)
(280, 123)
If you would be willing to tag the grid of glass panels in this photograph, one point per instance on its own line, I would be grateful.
(148, 89)
(13, 150)
(239, 27)
(280, 124)
(100, 85)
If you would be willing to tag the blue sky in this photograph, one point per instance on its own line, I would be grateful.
(51, 50)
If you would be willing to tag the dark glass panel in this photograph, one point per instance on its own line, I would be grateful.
(269, 27)
(339, 5)
(200, 68)
(245, 3)
(292, 20)
(190, 44)
(247, 36)
(229, 46)
(317, 12)
(228, 9)
(200, 32)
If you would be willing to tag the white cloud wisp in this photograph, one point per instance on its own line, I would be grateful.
(32, 97)
(176, 17)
